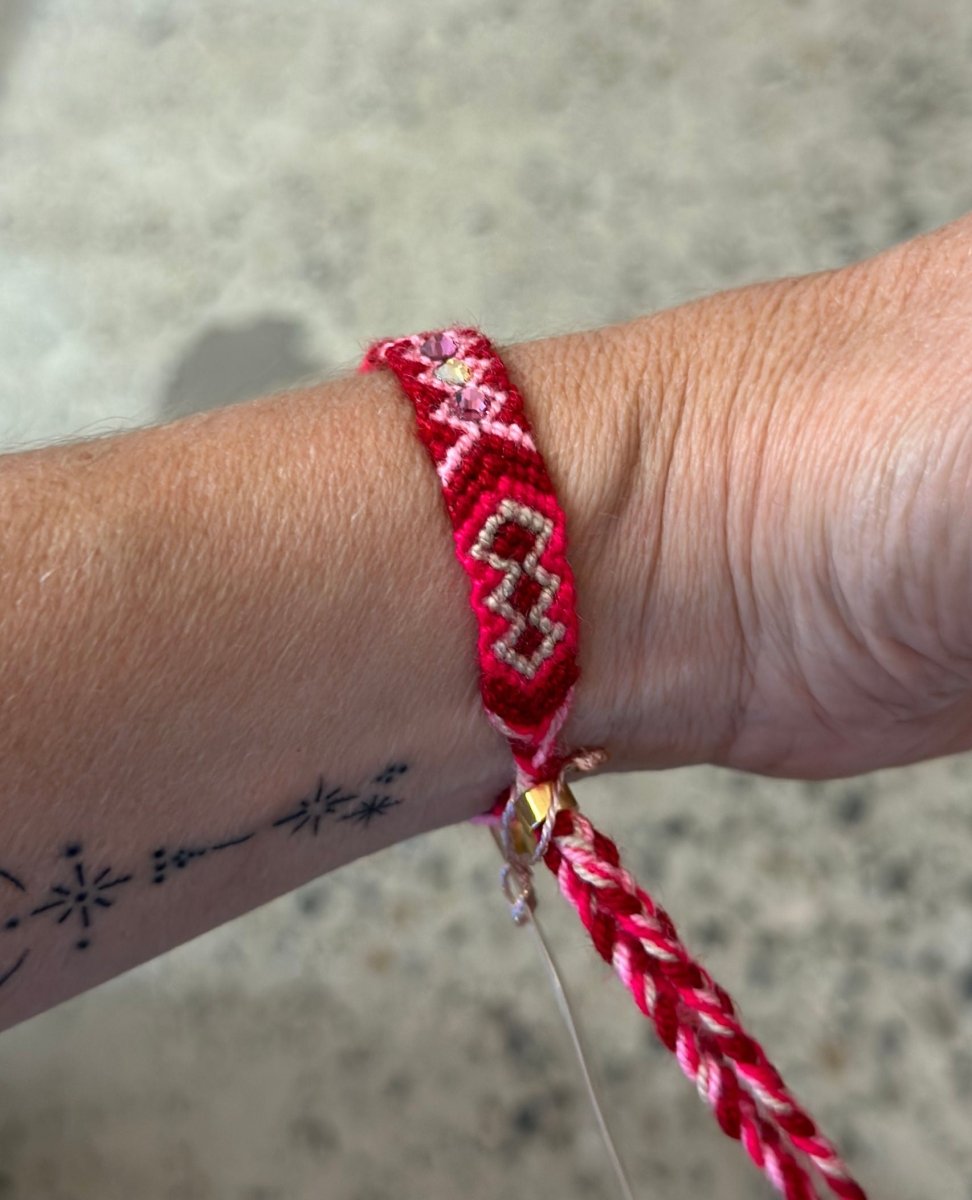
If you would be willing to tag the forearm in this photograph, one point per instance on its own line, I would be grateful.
(238, 652)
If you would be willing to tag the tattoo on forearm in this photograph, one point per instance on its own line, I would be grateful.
(83, 890)
(78, 897)
(312, 810)
(163, 859)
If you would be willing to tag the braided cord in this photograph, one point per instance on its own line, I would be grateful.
(692, 1015)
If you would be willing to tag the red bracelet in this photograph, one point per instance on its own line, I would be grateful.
(509, 532)
(510, 536)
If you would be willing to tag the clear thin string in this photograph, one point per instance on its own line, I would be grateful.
(563, 1003)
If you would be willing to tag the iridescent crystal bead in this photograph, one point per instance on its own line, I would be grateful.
(453, 370)
(439, 345)
(472, 401)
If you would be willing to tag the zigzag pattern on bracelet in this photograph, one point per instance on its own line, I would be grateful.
(509, 531)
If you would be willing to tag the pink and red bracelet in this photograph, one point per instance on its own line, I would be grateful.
(510, 536)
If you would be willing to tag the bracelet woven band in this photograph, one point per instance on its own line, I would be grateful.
(509, 532)
(510, 536)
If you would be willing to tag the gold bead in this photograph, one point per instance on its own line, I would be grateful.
(534, 804)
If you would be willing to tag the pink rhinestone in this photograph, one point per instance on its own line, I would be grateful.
(439, 345)
(472, 402)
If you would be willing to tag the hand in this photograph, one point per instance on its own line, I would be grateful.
(793, 558)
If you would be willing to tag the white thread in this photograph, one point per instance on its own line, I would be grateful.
(563, 1003)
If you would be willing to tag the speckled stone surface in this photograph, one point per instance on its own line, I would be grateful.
(202, 200)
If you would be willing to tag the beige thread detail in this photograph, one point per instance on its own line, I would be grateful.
(498, 600)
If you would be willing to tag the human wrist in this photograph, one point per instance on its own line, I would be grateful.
(627, 417)
(688, 391)
(582, 400)
(802, 456)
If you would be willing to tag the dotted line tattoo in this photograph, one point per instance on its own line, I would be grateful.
(85, 889)
(162, 859)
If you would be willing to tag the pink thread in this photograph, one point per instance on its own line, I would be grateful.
(693, 1016)
(510, 536)
(509, 532)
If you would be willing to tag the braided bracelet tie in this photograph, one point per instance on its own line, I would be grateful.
(510, 536)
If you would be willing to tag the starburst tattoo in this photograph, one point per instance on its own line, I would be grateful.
(367, 810)
(7, 971)
(83, 888)
(12, 879)
(312, 810)
(81, 895)
(12, 970)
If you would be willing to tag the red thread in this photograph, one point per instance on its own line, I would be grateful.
(692, 1015)
(510, 536)
(509, 532)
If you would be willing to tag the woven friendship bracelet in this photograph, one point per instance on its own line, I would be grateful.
(510, 536)
(509, 532)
